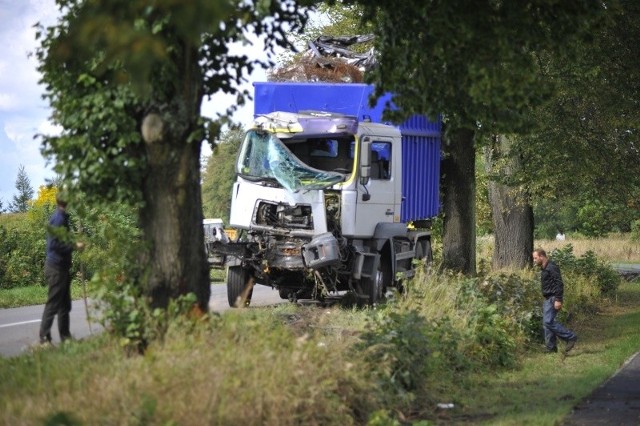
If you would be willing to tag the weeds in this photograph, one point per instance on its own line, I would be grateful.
(292, 365)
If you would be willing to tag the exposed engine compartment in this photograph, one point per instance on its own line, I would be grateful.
(283, 215)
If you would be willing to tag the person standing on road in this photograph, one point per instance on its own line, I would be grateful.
(552, 291)
(57, 272)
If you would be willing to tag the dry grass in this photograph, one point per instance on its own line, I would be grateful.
(617, 248)
(245, 367)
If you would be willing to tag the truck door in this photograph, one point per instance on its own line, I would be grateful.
(376, 199)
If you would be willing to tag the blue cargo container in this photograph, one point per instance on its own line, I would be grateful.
(421, 138)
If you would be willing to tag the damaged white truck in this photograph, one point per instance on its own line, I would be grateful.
(327, 198)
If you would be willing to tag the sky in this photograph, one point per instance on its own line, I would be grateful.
(23, 112)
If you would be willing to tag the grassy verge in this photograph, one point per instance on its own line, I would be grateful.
(31, 295)
(249, 367)
(546, 386)
(473, 342)
(291, 365)
(37, 295)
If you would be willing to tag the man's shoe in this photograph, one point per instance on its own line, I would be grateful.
(570, 344)
(41, 345)
(550, 350)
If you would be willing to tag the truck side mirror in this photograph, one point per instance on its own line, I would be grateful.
(365, 161)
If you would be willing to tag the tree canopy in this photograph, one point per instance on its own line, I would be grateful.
(126, 79)
(106, 64)
(591, 127)
(475, 62)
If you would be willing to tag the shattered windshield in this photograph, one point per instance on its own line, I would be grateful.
(264, 156)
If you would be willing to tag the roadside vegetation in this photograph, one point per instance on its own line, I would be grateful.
(446, 340)
(453, 347)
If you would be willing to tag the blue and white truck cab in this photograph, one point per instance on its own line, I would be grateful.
(324, 195)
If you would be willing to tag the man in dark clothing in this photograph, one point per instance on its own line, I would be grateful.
(552, 291)
(57, 272)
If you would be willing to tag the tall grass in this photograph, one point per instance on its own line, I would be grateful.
(245, 367)
(616, 248)
(447, 338)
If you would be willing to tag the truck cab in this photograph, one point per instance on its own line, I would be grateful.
(322, 200)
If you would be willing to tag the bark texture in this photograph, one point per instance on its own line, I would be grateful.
(459, 192)
(512, 214)
(171, 217)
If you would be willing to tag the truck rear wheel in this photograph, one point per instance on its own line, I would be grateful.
(424, 252)
(239, 286)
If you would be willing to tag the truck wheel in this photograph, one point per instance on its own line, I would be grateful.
(239, 286)
(285, 293)
(423, 251)
(372, 288)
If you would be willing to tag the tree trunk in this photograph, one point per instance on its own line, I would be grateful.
(459, 192)
(172, 213)
(172, 223)
(511, 211)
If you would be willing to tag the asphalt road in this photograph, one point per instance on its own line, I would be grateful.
(19, 326)
(615, 402)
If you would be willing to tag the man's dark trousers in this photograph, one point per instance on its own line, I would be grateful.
(552, 328)
(58, 302)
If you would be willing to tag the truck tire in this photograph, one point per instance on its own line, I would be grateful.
(371, 289)
(424, 252)
(284, 293)
(239, 286)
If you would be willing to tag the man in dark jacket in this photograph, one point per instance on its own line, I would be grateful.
(57, 272)
(552, 291)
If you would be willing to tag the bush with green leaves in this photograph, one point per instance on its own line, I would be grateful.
(586, 266)
(113, 239)
(635, 230)
(443, 324)
(491, 341)
(22, 245)
(516, 297)
(398, 345)
(494, 320)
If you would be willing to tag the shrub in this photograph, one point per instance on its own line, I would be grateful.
(398, 345)
(517, 299)
(491, 341)
(635, 230)
(588, 266)
(23, 252)
(112, 235)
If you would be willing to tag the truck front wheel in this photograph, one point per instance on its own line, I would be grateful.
(239, 286)
(371, 288)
